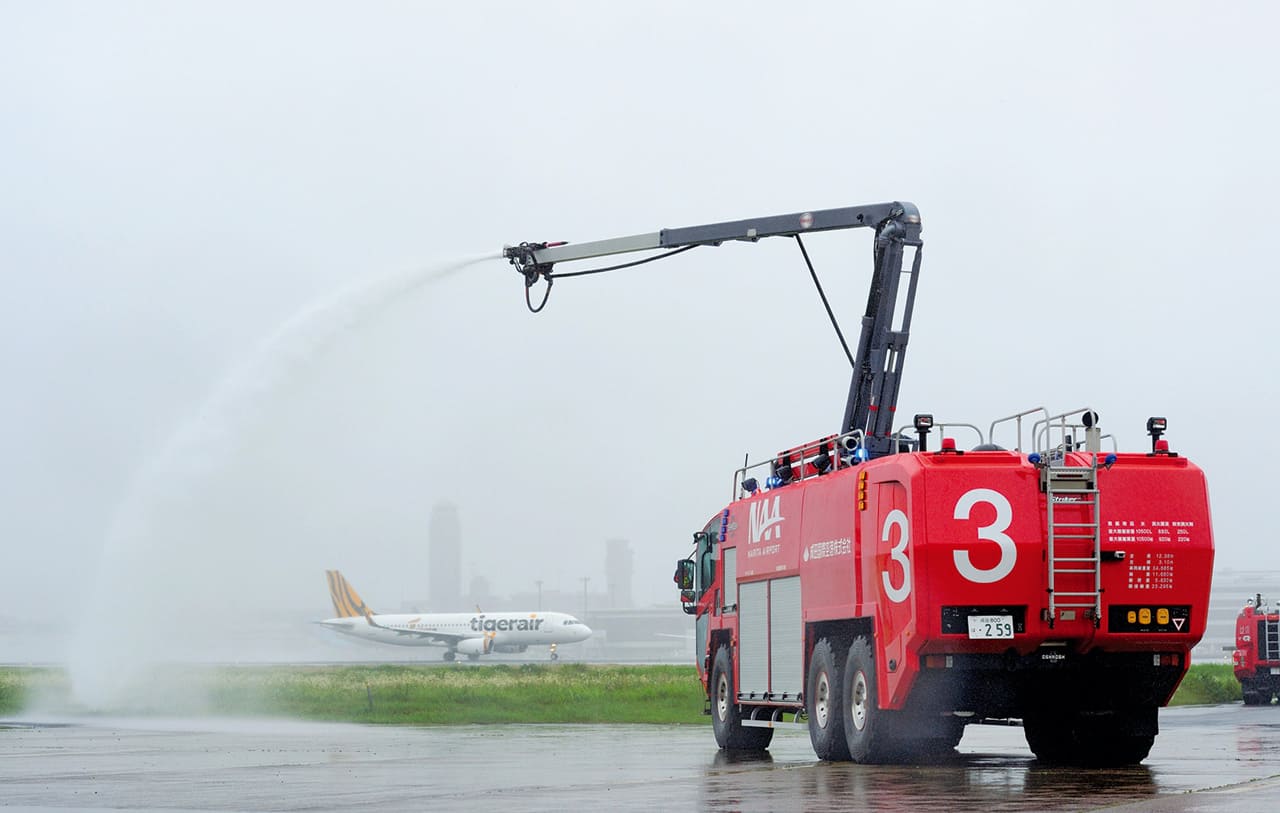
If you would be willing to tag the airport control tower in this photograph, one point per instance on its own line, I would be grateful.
(445, 558)
(618, 559)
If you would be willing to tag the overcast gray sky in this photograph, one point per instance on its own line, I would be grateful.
(1097, 182)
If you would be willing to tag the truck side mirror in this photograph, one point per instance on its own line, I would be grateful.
(685, 569)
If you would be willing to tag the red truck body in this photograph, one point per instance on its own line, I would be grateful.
(936, 565)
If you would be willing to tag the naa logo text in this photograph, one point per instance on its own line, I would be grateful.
(766, 519)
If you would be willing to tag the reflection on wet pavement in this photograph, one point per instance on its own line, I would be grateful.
(220, 764)
(962, 781)
(993, 770)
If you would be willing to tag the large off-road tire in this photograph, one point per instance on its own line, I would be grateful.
(1113, 741)
(1253, 694)
(1049, 736)
(1106, 741)
(726, 719)
(867, 729)
(1115, 751)
(822, 703)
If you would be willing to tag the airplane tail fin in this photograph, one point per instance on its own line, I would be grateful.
(346, 601)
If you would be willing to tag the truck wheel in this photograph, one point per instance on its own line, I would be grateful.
(726, 719)
(826, 718)
(1098, 742)
(1253, 694)
(1049, 736)
(866, 727)
(1119, 739)
(1118, 751)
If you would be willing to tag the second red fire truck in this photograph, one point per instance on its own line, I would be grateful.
(1256, 659)
(883, 592)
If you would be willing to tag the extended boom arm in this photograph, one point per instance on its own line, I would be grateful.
(873, 392)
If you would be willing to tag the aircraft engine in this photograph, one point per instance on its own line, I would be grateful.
(510, 648)
(475, 646)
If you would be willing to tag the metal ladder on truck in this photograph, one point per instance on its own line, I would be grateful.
(1269, 640)
(1073, 526)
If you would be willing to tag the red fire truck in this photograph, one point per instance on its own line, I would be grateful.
(1257, 655)
(883, 594)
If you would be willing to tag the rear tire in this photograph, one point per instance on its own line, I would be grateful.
(1254, 695)
(1065, 738)
(825, 711)
(726, 717)
(866, 726)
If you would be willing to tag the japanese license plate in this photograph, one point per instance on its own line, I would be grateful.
(990, 626)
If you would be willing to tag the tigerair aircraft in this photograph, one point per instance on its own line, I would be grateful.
(470, 634)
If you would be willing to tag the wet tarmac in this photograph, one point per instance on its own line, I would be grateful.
(1206, 759)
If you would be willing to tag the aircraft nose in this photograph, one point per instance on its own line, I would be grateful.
(584, 633)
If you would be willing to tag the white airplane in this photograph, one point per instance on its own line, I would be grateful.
(471, 634)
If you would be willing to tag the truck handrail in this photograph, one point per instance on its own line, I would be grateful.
(903, 434)
(942, 426)
(1017, 418)
(1042, 433)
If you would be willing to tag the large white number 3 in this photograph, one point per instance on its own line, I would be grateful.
(898, 553)
(995, 532)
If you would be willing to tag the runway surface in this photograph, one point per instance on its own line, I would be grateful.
(1215, 758)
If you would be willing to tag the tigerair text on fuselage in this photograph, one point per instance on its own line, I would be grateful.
(481, 624)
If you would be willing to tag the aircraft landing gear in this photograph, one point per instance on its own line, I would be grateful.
(554, 656)
(449, 655)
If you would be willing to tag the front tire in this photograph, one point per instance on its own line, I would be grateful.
(825, 711)
(726, 717)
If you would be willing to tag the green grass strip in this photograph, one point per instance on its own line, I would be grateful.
(1207, 683)
(412, 695)
(441, 695)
